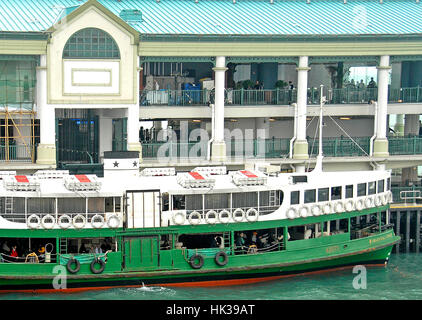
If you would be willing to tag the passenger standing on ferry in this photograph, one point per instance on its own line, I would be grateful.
(82, 249)
(98, 249)
(240, 241)
(254, 237)
(5, 248)
(215, 242)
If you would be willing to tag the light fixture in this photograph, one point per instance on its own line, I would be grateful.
(272, 120)
(233, 120)
(196, 120)
(345, 118)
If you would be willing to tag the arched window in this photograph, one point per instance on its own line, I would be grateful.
(91, 43)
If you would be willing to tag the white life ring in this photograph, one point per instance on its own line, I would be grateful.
(390, 196)
(194, 218)
(65, 225)
(378, 200)
(224, 216)
(369, 202)
(238, 215)
(76, 224)
(116, 222)
(316, 210)
(252, 215)
(349, 205)
(339, 206)
(179, 217)
(384, 200)
(48, 225)
(291, 213)
(327, 208)
(209, 219)
(33, 225)
(304, 211)
(359, 204)
(97, 224)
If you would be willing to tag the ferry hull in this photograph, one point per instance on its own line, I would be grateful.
(377, 256)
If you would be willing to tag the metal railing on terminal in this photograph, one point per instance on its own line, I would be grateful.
(278, 96)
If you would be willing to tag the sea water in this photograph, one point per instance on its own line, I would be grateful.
(401, 279)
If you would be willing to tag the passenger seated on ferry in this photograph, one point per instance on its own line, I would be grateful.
(83, 249)
(41, 253)
(260, 242)
(14, 254)
(98, 249)
(5, 248)
(254, 237)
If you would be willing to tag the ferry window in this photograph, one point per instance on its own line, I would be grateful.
(323, 194)
(371, 187)
(380, 186)
(178, 202)
(117, 206)
(388, 184)
(294, 197)
(96, 205)
(335, 193)
(304, 232)
(310, 196)
(269, 201)
(41, 205)
(361, 189)
(215, 201)
(71, 205)
(109, 204)
(244, 200)
(339, 226)
(349, 191)
(194, 202)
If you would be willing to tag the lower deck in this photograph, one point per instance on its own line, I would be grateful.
(236, 252)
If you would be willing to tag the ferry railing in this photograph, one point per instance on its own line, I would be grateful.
(23, 216)
(410, 196)
(30, 257)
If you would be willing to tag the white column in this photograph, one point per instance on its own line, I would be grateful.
(133, 143)
(46, 151)
(300, 147)
(218, 150)
(381, 142)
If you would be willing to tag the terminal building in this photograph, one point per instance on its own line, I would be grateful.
(211, 82)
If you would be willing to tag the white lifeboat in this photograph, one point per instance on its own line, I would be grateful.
(21, 183)
(195, 180)
(248, 178)
(82, 182)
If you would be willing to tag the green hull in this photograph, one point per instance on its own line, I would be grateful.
(239, 269)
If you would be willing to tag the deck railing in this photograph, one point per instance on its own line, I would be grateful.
(16, 153)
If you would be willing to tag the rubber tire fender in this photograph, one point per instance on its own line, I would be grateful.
(100, 262)
(69, 266)
(195, 265)
(217, 258)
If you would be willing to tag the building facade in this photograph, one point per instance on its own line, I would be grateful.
(236, 81)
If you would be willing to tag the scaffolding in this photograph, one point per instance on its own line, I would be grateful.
(19, 130)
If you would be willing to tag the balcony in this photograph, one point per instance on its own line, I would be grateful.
(280, 148)
(242, 97)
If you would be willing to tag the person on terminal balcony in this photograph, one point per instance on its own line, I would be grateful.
(372, 83)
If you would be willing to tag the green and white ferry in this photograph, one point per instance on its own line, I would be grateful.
(206, 227)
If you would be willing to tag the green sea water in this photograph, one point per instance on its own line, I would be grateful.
(401, 279)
